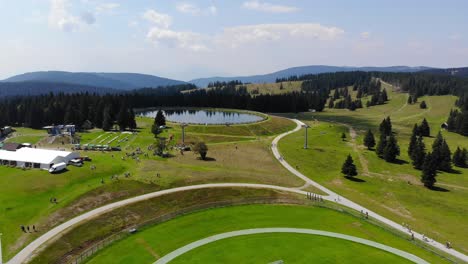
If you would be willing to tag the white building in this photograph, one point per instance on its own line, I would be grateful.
(35, 158)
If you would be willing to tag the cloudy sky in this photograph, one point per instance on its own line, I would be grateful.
(201, 38)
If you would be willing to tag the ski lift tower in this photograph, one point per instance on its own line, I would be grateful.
(1, 260)
(183, 125)
(305, 139)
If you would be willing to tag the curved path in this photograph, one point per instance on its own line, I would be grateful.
(176, 253)
(26, 253)
(348, 203)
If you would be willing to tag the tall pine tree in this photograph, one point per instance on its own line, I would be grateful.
(424, 129)
(418, 154)
(391, 150)
(369, 140)
(429, 171)
(348, 168)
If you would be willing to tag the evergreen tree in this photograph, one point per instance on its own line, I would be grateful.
(423, 105)
(413, 140)
(131, 120)
(424, 129)
(391, 150)
(459, 159)
(419, 154)
(343, 136)
(331, 103)
(348, 168)
(384, 95)
(369, 140)
(441, 154)
(410, 100)
(123, 117)
(429, 171)
(385, 127)
(381, 146)
(160, 119)
(107, 119)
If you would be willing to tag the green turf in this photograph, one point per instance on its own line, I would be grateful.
(290, 248)
(393, 190)
(147, 245)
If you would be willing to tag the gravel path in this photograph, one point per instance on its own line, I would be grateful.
(26, 253)
(174, 254)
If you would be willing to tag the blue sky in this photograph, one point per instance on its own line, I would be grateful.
(189, 39)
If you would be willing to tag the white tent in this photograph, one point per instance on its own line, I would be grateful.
(36, 158)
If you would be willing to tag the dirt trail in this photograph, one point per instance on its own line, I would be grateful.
(362, 159)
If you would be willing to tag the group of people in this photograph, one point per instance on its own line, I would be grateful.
(27, 229)
(314, 197)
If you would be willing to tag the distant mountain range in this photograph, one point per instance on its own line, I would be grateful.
(315, 69)
(43, 82)
(117, 81)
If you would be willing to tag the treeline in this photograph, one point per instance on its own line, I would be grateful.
(219, 84)
(105, 111)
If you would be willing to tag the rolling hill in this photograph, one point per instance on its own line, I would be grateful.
(315, 69)
(40, 88)
(119, 81)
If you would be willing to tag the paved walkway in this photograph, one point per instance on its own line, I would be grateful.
(174, 254)
(26, 253)
(348, 203)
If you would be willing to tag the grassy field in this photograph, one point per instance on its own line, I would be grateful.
(25, 194)
(26, 135)
(290, 248)
(393, 190)
(268, 88)
(71, 243)
(156, 241)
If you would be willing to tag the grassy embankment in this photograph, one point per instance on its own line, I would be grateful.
(393, 190)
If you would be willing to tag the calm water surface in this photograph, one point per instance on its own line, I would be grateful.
(205, 116)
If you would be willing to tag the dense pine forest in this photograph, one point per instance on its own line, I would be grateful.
(103, 111)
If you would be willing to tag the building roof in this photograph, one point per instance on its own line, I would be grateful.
(31, 155)
(10, 146)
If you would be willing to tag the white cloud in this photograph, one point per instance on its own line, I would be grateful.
(186, 40)
(268, 7)
(236, 36)
(107, 7)
(365, 35)
(193, 9)
(61, 18)
(159, 19)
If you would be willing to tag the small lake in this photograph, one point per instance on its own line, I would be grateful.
(210, 117)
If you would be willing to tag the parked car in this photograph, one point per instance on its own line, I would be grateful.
(58, 167)
(76, 162)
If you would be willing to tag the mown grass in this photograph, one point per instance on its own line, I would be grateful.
(290, 248)
(26, 135)
(393, 190)
(156, 241)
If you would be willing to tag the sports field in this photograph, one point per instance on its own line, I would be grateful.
(149, 244)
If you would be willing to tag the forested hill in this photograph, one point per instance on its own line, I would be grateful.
(298, 71)
(119, 81)
(39, 88)
(458, 72)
